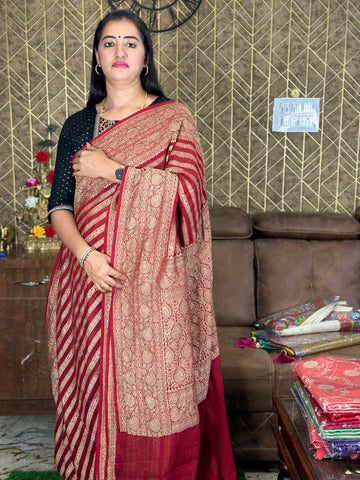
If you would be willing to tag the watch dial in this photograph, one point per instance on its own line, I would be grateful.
(161, 15)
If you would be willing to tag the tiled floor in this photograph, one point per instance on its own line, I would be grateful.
(26, 443)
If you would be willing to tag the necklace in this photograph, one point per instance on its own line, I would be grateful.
(102, 109)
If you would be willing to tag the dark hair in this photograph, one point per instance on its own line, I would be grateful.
(149, 82)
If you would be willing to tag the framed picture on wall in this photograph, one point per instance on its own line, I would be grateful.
(296, 115)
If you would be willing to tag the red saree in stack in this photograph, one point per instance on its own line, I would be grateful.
(136, 373)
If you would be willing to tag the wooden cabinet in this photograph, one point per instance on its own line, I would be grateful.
(24, 373)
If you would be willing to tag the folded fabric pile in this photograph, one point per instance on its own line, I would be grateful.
(327, 390)
(326, 315)
(296, 346)
(308, 328)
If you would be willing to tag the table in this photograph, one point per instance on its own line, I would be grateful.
(296, 452)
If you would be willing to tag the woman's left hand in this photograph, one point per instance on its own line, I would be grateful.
(93, 162)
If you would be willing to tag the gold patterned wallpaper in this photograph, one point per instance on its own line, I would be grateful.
(227, 63)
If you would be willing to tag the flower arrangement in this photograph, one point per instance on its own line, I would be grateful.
(42, 182)
(38, 231)
(34, 213)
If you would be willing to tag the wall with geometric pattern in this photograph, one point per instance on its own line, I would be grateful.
(227, 64)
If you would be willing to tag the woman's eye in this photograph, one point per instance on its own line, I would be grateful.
(108, 44)
(131, 45)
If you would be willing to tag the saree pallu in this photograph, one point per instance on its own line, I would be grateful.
(136, 373)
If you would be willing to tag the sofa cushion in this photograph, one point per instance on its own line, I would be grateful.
(283, 274)
(234, 282)
(314, 226)
(336, 268)
(230, 222)
(292, 272)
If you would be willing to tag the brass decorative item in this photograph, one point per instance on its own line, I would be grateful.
(6, 238)
(35, 212)
(32, 243)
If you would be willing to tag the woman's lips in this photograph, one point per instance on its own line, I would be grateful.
(120, 65)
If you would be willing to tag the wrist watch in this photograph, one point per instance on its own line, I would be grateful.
(119, 172)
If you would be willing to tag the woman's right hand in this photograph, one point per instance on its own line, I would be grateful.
(93, 162)
(98, 268)
(97, 265)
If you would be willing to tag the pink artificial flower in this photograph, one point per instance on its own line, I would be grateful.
(31, 182)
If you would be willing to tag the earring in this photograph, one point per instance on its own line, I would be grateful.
(96, 70)
(146, 71)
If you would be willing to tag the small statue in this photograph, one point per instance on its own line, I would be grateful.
(6, 238)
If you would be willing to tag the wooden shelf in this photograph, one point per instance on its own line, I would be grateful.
(24, 372)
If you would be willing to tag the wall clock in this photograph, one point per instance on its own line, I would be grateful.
(161, 15)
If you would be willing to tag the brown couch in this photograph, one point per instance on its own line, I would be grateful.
(264, 265)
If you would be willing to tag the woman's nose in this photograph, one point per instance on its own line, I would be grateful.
(120, 50)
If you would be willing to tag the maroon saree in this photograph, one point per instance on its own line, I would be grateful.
(136, 373)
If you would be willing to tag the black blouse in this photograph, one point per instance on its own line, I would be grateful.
(78, 129)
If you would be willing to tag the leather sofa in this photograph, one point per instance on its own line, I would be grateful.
(263, 265)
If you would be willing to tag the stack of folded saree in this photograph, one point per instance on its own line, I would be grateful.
(327, 390)
(308, 328)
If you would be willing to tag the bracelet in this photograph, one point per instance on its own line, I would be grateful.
(84, 256)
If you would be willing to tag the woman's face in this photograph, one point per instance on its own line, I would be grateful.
(121, 52)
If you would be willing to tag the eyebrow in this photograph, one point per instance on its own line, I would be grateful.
(119, 36)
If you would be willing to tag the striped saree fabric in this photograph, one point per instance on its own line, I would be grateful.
(136, 373)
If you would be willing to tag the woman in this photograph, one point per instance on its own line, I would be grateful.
(132, 338)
